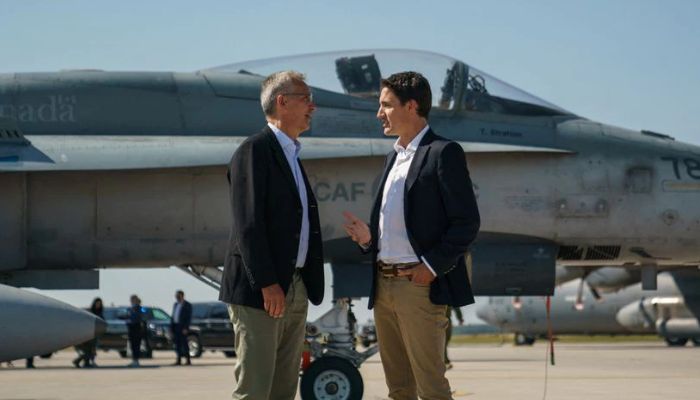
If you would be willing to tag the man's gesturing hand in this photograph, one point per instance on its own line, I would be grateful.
(356, 229)
(419, 275)
(273, 297)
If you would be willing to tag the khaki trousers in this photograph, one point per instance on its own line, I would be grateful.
(411, 336)
(269, 349)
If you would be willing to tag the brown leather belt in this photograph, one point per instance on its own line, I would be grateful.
(392, 270)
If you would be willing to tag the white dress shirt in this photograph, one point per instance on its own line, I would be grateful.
(394, 246)
(176, 312)
(291, 149)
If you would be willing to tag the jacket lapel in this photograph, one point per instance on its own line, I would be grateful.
(418, 160)
(390, 159)
(374, 217)
(281, 159)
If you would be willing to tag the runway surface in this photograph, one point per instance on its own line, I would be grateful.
(582, 371)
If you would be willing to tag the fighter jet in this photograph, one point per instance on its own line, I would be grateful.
(628, 311)
(105, 169)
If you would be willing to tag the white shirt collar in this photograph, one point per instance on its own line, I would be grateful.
(413, 146)
(285, 141)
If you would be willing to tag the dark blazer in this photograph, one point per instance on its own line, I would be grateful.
(267, 214)
(441, 215)
(185, 314)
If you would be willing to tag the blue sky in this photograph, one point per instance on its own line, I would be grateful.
(631, 63)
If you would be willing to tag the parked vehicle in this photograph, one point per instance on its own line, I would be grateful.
(215, 329)
(158, 335)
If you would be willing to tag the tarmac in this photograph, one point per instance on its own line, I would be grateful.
(638, 370)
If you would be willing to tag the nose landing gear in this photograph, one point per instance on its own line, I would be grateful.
(333, 374)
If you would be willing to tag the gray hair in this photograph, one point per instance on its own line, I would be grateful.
(276, 84)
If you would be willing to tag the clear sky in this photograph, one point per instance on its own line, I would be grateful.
(630, 63)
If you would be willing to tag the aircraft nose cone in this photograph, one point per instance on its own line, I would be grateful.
(100, 327)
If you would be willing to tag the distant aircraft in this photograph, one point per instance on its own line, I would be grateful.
(127, 169)
(627, 311)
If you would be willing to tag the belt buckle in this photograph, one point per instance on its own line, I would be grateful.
(387, 270)
(392, 270)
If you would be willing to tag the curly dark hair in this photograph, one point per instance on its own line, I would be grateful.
(411, 86)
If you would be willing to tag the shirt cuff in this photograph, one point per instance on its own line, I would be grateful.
(428, 265)
(365, 246)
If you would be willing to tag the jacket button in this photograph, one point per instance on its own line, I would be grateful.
(299, 211)
(294, 261)
(296, 236)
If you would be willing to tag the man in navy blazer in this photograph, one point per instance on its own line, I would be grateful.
(180, 326)
(423, 221)
(274, 264)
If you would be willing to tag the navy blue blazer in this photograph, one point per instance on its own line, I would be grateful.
(441, 215)
(267, 215)
(185, 314)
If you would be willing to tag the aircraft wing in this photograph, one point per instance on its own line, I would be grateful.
(80, 152)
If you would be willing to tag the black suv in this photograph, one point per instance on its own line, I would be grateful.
(158, 335)
(212, 321)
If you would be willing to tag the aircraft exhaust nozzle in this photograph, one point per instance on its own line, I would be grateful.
(32, 324)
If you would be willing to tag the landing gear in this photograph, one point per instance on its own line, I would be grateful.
(676, 341)
(331, 378)
(334, 375)
(522, 339)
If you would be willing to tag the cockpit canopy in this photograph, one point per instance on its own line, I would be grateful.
(455, 85)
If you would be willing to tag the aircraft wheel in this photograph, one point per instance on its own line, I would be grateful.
(123, 354)
(331, 378)
(696, 342)
(46, 356)
(230, 354)
(676, 341)
(194, 346)
(522, 339)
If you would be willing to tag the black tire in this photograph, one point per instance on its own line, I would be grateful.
(676, 341)
(696, 341)
(194, 346)
(522, 339)
(230, 354)
(123, 354)
(331, 378)
(366, 343)
(46, 356)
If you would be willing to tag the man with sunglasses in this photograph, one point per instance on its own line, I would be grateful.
(274, 262)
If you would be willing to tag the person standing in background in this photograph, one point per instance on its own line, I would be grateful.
(88, 350)
(134, 325)
(180, 325)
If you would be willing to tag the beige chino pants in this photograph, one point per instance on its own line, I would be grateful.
(411, 336)
(268, 350)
